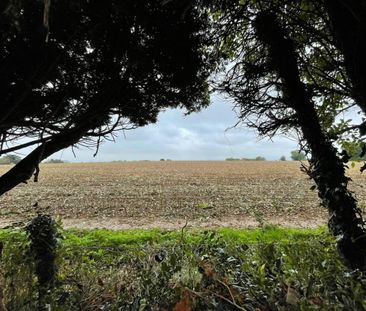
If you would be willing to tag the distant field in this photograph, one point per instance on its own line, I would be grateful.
(166, 194)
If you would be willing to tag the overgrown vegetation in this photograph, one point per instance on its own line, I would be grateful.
(228, 269)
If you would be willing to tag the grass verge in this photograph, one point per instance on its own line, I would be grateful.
(269, 268)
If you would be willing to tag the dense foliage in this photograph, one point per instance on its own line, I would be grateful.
(265, 269)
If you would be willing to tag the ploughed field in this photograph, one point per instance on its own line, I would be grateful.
(169, 194)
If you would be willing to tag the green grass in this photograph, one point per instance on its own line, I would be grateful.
(111, 238)
(269, 234)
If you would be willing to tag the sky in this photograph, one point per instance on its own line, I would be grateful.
(207, 135)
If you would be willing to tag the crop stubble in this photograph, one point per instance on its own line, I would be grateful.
(147, 193)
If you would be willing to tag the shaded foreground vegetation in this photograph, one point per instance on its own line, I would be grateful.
(261, 269)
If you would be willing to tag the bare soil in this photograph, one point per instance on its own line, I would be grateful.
(169, 194)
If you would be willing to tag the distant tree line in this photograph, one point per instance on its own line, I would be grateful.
(258, 158)
(10, 159)
(54, 161)
(15, 159)
(296, 155)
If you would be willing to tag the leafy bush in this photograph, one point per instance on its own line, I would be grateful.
(264, 269)
(297, 155)
(42, 232)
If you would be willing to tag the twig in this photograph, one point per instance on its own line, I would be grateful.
(22, 145)
(46, 15)
(73, 151)
(229, 290)
(194, 292)
(36, 173)
(229, 301)
(97, 147)
(185, 226)
(37, 170)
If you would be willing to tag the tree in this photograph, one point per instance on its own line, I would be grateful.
(10, 159)
(297, 155)
(355, 151)
(282, 158)
(260, 158)
(76, 72)
(287, 76)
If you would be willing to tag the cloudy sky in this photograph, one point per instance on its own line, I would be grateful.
(207, 135)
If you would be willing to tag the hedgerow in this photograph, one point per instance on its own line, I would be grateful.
(228, 269)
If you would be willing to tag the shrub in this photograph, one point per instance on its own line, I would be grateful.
(42, 233)
(297, 155)
(263, 269)
(259, 158)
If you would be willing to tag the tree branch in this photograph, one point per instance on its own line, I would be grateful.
(24, 170)
(31, 143)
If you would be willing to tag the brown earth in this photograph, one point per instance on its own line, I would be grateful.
(123, 195)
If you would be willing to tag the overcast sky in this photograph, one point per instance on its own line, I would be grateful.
(206, 135)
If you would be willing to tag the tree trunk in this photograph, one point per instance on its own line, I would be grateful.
(326, 168)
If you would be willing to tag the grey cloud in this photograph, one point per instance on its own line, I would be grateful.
(198, 136)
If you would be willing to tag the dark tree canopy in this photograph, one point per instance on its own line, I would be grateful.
(348, 25)
(71, 71)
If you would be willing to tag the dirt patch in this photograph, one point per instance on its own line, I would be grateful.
(126, 195)
(133, 223)
(173, 224)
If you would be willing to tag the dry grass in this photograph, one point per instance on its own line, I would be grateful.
(144, 193)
